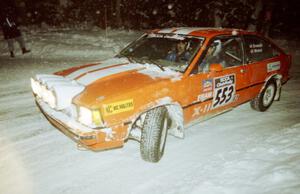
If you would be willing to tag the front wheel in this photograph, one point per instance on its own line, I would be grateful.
(154, 134)
(265, 99)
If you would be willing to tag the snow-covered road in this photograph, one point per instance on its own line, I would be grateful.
(242, 151)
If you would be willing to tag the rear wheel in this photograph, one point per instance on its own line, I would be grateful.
(154, 134)
(265, 99)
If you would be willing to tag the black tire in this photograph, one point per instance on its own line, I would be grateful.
(154, 134)
(265, 99)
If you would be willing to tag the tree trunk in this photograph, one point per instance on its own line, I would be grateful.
(217, 19)
(118, 13)
(254, 17)
(63, 3)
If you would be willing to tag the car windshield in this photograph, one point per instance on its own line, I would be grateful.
(172, 51)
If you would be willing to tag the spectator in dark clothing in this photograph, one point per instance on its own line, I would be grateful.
(10, 28)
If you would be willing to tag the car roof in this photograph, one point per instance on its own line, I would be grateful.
(202, 32)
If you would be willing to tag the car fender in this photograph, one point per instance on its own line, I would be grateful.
(277, 77)
(175, 112)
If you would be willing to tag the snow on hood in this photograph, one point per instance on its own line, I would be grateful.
(154, 72)
(88, 75)
(99, 66)
(91, 77)
(66, 88)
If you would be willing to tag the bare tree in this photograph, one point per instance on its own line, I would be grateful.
(254, 17)
(235, 13)
(63, 3)
(218, 20)
(118, 13)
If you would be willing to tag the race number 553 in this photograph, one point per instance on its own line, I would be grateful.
(224, 90)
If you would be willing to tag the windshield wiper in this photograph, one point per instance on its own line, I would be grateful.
(137, 60)
(158, 65)
(130, 59)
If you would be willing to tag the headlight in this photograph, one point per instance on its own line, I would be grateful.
(85, 116)
(91, 118)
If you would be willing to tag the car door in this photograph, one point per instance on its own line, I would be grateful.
(212, 92)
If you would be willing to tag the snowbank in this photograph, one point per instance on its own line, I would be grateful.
(90, 43)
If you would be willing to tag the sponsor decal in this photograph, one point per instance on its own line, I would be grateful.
(202, 109)
(205, 96)
(207, 88)
(197, 111)
(273, 66)
(207, 85)
(256, 48)
(224, 90)
(118, 107)
(206, 108)
(260, 45)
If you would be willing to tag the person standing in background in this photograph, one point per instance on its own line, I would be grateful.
(10, 28)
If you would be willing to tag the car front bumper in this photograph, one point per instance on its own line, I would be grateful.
(94, 139)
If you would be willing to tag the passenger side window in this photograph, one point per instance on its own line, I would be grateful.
(258, 49)
(226, 51)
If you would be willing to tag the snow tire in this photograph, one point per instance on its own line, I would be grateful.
(154, 134)
(265, 98)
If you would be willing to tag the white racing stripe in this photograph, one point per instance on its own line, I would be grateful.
(167, 30)
(186, 31)
(91, 77)
(107, 63)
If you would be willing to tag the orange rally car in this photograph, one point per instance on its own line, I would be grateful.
(161, 83)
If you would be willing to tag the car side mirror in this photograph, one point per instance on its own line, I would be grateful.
(215, 67)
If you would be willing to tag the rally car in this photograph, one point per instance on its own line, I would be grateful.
(160, 84)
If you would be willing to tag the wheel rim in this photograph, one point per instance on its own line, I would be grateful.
(163, 135)
(269, 95)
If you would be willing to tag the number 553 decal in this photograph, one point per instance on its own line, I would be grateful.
(224, 90)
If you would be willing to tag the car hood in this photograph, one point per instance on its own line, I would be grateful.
(119, 79)
(109, 79)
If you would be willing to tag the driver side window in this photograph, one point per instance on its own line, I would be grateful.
(226, 51)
